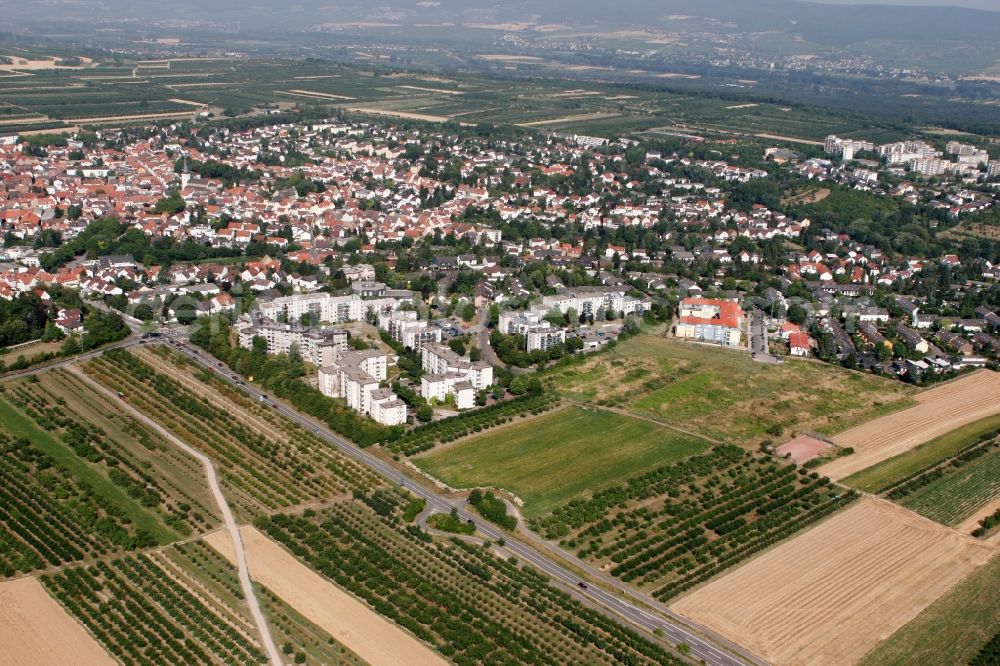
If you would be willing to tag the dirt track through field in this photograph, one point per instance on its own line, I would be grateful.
(831, 594)
(372, 637)
(940, 410)
(36, 631)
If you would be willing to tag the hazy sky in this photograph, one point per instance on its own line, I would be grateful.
(993, 5)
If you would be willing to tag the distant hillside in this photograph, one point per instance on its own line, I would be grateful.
(822, 23)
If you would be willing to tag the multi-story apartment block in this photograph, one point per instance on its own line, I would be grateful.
(592, 300)
(447, 373)
(317, 346)
(355, 376)
(538, 333)
(404, 327)
(905, 151)
(326, 307)
(845, 149)
(711, 320)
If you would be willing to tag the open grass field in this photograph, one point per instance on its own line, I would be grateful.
(949, 631)
(265, 462)
(553, 458)
(831, 594)
(34, 629)
(890, 472)
(724, 394)
(940, 410)
(375, 640)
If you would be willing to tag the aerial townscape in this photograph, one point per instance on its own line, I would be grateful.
(469, 333)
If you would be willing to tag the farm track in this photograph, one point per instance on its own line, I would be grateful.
(939, 411)
(267, 641)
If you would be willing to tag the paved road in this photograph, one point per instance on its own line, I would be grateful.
(758, 338)
(274, 657)
(672, 632)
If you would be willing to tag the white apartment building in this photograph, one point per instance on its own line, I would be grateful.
(592, 300)
(447, 373)
(903, 152)
(317, 346)
(325, 307)
(404, 327)
(538, 333)
(355, 376)
(931, 167)
(993, 169)
(845, 149)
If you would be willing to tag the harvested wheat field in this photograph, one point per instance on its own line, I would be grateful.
(831, 594)
(369, 635)
(36, 631)
(939, 410)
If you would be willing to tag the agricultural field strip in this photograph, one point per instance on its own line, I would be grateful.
(375, 639)
(958, 494)
(813, 598)
(132, 445)
(266, 473)
(951, 630)
(940, 410)
(511, 614)
(683, 523)
(35, 629)
(249, 594)
(620, 602)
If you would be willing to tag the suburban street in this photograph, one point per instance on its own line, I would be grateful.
(672, 632)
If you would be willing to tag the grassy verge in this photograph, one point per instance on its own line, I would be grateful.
(895, 469)
(20, 425)
(556, 457)
(949, 631)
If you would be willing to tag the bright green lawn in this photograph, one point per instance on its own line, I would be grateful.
(895, 469)
(949, 631)
(20, 425)
(556, 457)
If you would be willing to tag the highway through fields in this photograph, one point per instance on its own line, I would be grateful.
(711, 653)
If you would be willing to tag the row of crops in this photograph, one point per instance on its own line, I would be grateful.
(48, 517)
(471, 605)
(265, 461)
(679, 525)
(143, 612)
(116, 454)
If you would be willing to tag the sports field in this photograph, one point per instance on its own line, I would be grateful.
(724, 394)
(559, 456)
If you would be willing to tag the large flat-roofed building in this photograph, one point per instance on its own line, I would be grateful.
(355, 376)
(592, 300)
(710, 320)
(404, 327)
(538, 333)
(325, 307)
(319, 346)
(447, 373)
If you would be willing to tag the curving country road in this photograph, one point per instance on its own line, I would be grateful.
(711, 653)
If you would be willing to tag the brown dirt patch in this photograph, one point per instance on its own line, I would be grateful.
(803, 448)
(940, 410)
(36, 631)
(831, 594)
(371, 636)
